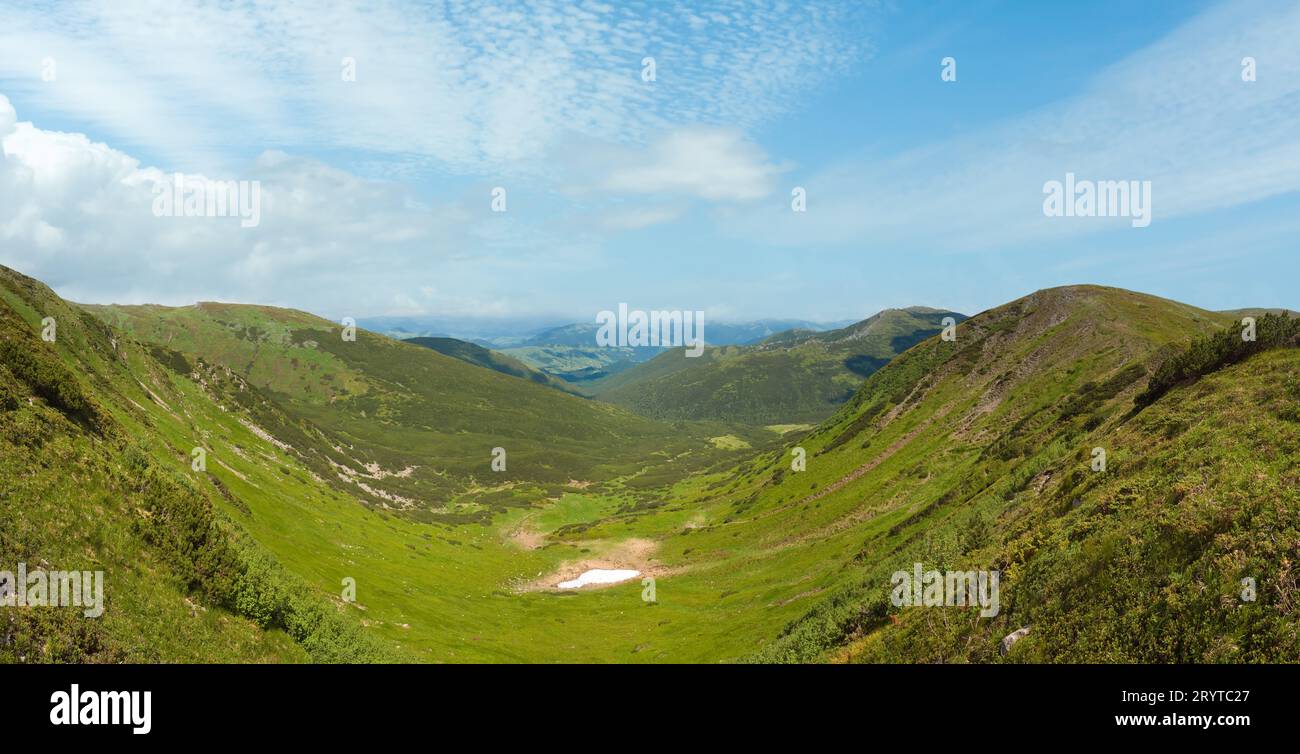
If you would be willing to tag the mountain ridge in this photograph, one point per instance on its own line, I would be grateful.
(787, 378)
(472, 353)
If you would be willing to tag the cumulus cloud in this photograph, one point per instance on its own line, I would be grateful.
(80, 215)
(625, 188)
(712, 164)
(374, 188)
(7, 116)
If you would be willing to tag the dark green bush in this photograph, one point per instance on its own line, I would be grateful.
(1214, 352)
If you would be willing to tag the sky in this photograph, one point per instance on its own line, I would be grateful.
(649, 153)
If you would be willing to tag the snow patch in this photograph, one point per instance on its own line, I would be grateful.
(599, 576)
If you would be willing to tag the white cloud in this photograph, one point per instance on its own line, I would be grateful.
(624, 188)
(712, 164)
(476, 94)
(79, 215)
(636, 218)
(467, 86)
(7, 117)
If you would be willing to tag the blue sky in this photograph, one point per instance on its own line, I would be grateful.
(671, 193)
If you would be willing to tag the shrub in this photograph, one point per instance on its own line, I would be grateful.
(1217, 351)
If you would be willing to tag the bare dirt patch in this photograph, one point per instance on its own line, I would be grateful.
(526, 538)
(634, 554)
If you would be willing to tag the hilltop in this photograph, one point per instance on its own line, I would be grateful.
(791, 377)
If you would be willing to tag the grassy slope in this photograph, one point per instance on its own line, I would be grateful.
(975, 454)
(472, 353)
(95, 475)
(755, 560)
(579, 365)
(792, 377)
(1144, 562)
(428, 422)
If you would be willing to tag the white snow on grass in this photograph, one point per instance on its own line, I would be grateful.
(600, 576)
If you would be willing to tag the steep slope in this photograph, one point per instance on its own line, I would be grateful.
(791, 377)
(978, 454)
(96, 475)
(472, 353)
(1182, 550)
(415, 427)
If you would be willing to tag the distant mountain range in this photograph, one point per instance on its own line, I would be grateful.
(583, 335)
(473, 353)
(485, 331)
(570, 351)
(788, 377)
(514, 332)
